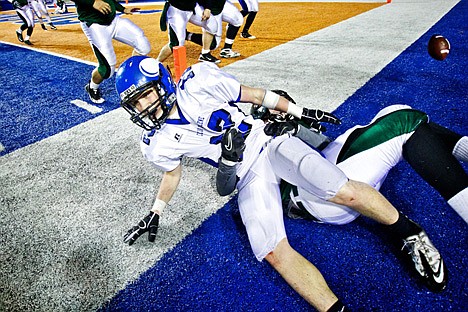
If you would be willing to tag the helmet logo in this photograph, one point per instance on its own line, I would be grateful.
(127, 92)
(149, 67)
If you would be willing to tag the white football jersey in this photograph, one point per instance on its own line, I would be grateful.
(205, 109)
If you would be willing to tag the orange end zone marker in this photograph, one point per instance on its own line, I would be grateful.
(180, 61)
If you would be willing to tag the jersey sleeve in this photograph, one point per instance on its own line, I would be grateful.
(219, 84)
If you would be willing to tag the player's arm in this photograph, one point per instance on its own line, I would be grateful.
(169, 183)
(272, 100)
(232, 147)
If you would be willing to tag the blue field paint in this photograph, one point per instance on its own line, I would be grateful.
(214, 269)
(36, 97)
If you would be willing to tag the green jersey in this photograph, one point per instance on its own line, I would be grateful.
(89, 15)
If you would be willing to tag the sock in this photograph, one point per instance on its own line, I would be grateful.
(460, 151)
(227, 45)
(248, 21)
(459, 203)
(338, 307)
(93, 85)
(404, 227)
(203, 51)
(197, 38)
(188, 36)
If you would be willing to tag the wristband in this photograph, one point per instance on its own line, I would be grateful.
(229, 163)
(294, 110)
(158, 206)
(270, 99)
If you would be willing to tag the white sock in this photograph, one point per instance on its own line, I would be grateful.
(93, 85)
(459, 203)
(203, 51)
(460, 151)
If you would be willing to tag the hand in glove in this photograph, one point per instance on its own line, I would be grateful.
(148, 224)
(232, 145)
(277, 128)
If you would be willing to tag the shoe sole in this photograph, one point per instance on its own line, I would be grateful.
(229, 56)
(100, 101)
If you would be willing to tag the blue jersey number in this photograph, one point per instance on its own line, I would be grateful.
(221, 120)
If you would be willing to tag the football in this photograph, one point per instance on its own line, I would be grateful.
(438, 47)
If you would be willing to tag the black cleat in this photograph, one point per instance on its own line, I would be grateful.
(207, 57)
(52, 26)
(20, 36)
(28, 42)
(246, 35)
(43, 27)
(427, 261)
(94, 95)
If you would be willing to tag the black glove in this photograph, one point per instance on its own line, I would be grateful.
(277, 128)
(232, 145)
(309, 116)
(149, 224)
(16, 4)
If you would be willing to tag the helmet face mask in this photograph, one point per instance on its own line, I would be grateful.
(143, 77)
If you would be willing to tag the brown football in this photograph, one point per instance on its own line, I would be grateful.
(438, 47)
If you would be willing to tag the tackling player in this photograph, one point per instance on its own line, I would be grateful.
(100, 24)
(190, 119)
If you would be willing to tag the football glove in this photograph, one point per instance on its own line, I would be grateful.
(148, 224)
(277, 128)
(309, 116)
(232, 145)
(16, 4)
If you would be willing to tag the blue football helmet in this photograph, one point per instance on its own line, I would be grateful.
(137, 75)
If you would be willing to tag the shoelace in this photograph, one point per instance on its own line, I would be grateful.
(422, 243)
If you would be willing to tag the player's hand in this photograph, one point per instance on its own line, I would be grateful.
(131, 10)
(102, 7)
(277, 128)
(232, 145)
(206, 14)
(16, 4)
(148, 224)
(309, 116)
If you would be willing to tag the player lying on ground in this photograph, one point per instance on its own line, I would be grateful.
(190, 119)
(366, 154)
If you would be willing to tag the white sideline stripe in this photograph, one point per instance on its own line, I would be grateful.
(2, 148)
(85, 105)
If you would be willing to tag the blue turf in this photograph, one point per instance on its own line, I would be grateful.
(214, 270)
(44, 107)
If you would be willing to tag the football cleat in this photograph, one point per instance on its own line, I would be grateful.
(427, 261)
(20, 36)
(28, 42)
(52, 26)
(43, 27)
(247, 35)
(207, 57)
(94, 95)
(229, 53)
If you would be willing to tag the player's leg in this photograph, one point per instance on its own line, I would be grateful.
(260, 207)
(249, 9)
(29, 17)
(233, 17)
(38, 12)
(100, 39)
(129, 33)
(209, 29)
(177, 23)
(429, 151)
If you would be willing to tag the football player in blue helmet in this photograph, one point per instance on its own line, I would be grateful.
(135, 79)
